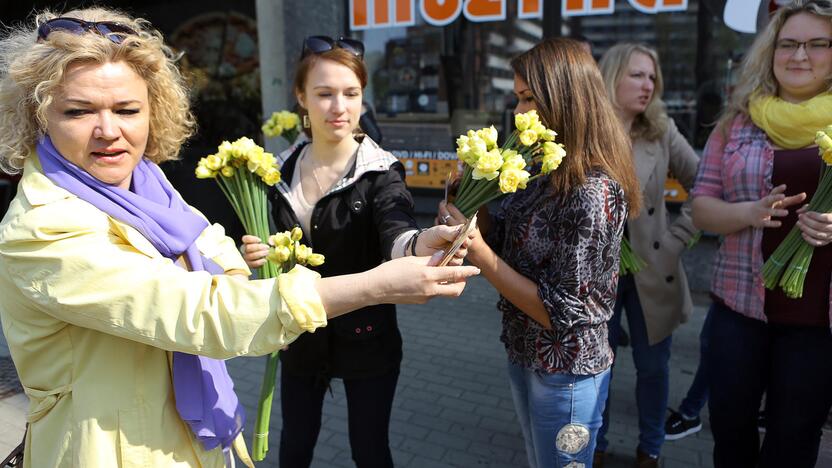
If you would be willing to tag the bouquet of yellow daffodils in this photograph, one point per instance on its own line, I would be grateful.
(788, 264)
(285, 251)
(243, 171)
(283, 123)
(491, 171)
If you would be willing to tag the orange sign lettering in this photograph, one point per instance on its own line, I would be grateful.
(606, 7)
(379, 10)
(440, 12)
(529, 9)
(485, 10)
(370, 14)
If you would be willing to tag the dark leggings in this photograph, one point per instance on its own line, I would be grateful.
(369, 403)
(793, 365)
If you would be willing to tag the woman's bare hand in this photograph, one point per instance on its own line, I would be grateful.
(254, 251)
(414, 280)
(815, 227)
(438, 239)
(762, 212)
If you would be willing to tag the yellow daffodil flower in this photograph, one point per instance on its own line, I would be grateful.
(528, 137)
(488, 166)
(296, 234)
(302, 253)
(478, 149)
(279, 255)
(315, 259)
(281, 238)
(271, 177)
(522, 121)
(512, 179)
(227, 171)
(823, 141)
(489, 135)
(213, 162)
(512, 160)
(203, 172)
(548, 135)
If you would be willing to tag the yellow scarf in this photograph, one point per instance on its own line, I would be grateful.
(791, 126)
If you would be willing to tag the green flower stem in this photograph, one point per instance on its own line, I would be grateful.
(629, 261)
(260, 443)
(248, 197)
(464, 182)
(484, 193)
(475, 196)
(511, 140)
(788, 265)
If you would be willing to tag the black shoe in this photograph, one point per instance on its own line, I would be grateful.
(623, 337)
(761, 422)
(677, 427)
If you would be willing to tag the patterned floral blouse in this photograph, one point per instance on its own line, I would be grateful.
(569, 246)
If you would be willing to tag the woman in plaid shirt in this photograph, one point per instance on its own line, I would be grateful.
(758, 168)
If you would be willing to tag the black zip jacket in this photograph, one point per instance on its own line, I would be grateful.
(354, 226)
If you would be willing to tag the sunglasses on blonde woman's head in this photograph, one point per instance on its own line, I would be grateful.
(112, 30)
(321, 44)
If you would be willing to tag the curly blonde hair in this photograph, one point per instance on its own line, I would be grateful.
(31, 70)
(757, 71)
(652, 123)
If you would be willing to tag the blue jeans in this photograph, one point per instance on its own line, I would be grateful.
(559, 414)
(652, 371)
(697, 395)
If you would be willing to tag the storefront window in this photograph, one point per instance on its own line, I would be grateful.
(429, 83)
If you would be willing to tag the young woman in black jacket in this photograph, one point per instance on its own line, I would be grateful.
(349, 197)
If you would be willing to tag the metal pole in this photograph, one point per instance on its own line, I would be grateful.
(552, 20)
(273, 77)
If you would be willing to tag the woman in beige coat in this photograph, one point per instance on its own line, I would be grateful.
(657, 298)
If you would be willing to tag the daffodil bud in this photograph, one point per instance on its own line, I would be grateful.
(281, 238)
(302, 253)
(297, 234)
(823, 141)
(203, 172)
(315, 259)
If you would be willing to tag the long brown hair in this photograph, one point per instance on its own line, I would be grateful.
(569, 93)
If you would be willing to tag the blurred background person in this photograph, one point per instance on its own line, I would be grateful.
(657, 298)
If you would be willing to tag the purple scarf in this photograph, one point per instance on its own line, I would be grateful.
(203, 389)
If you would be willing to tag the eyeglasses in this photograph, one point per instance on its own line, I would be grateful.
(111, 30)
(790, 46)
(321, 44)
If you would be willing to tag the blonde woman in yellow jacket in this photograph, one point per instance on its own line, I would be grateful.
(117, 299)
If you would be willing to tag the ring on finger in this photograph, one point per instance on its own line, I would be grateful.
(446, 218)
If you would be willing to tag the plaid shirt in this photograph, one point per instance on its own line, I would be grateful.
(738, 169)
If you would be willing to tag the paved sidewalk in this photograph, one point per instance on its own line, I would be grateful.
(453, 406)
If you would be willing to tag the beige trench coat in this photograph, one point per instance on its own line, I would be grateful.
(662, 285)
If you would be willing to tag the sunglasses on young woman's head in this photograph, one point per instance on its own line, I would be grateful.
(112, 30)
(321, 44)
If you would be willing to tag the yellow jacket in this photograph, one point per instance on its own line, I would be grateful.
(91, 312)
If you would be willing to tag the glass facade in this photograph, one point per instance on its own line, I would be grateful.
(430, 83)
